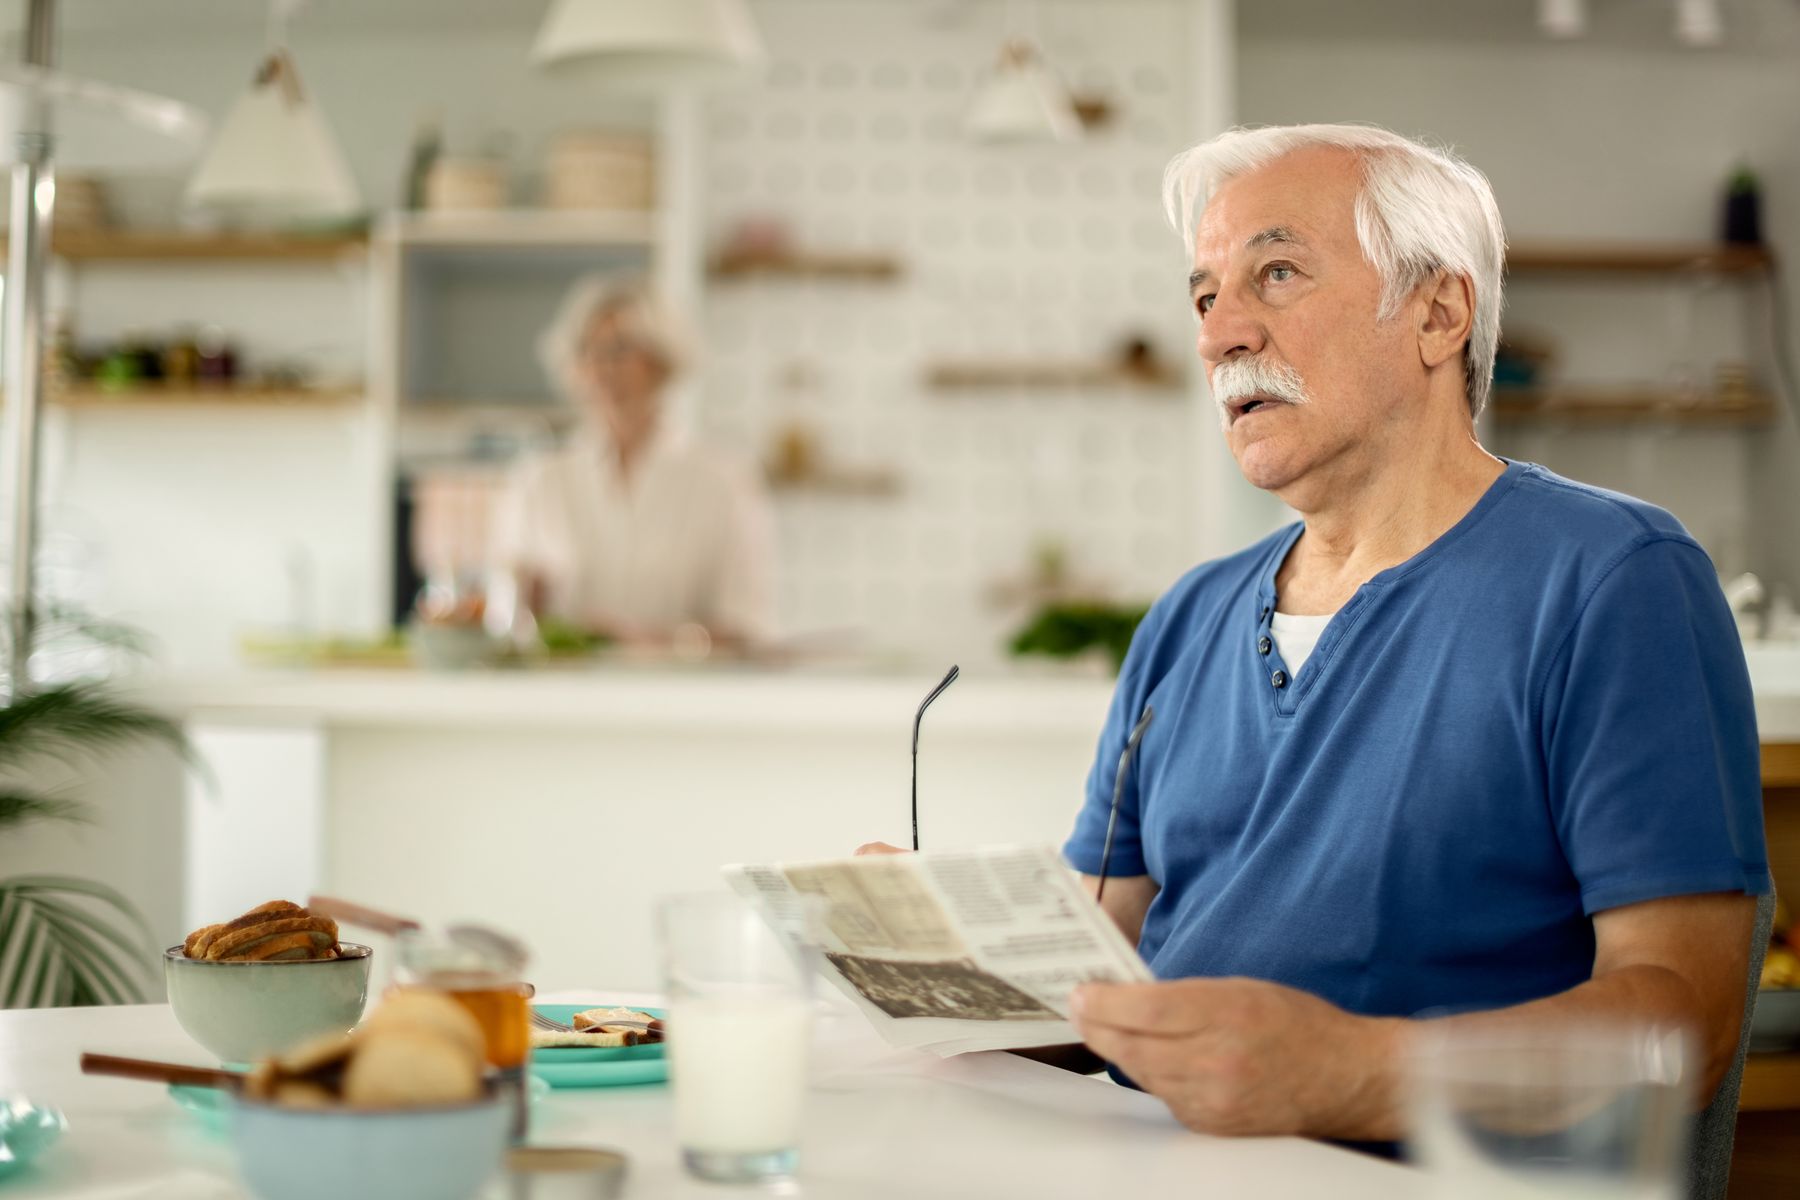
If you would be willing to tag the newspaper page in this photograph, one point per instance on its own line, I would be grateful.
(952, 951)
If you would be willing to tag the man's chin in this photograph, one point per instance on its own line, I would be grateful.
(1265, 465)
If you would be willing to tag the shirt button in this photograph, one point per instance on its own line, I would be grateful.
(1265, 614)
(1279, 679)
(1264, 645)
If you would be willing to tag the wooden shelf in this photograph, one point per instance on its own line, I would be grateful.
(1781, 765)
(142, 245)
(1771, 1081)
(1611, 406)
(223, 396)
(872, 267)
(1626, 258)
(521, 228)
(951, 376)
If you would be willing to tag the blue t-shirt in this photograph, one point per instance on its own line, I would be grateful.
(1543, 714)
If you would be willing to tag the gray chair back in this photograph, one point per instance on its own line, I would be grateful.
(1709, 1163)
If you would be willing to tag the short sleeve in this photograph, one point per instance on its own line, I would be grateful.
(1654, 769)
(1087, 845)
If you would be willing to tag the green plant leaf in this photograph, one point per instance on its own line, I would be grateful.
(22, 808)
(71, 720)
(56, 952)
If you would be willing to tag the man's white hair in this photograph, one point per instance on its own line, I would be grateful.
(627, 300)
(1421, 210)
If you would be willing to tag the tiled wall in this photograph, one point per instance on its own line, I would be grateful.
(1050, 252)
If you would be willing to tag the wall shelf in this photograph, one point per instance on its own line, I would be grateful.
(521, 228)
(873, 267)
(1625, 405)
(143, 245)
(970, 376)
(221, 395)
(1628, 258)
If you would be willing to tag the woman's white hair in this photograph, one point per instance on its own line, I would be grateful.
(638, 313)
(1421, 210)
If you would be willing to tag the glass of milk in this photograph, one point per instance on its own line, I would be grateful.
(1593, 1111)
(739, 1020)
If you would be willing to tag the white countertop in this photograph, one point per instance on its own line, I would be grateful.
(739, 698)
(620, 697)
(880, 1124)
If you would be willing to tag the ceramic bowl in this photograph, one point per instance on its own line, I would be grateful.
(243, 1011)
(397, 1154)
(1776, 1025)
(439, 646)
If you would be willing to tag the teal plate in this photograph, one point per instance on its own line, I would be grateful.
(595, 1066)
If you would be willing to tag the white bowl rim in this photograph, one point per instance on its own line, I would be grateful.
(351, 952)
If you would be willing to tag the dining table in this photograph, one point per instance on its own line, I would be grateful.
(879, 1122)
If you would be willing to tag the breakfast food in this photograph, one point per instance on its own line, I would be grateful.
(419, 1048)
(279, 931)
(596, 1028)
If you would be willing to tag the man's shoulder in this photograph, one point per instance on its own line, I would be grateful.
(1564, 515)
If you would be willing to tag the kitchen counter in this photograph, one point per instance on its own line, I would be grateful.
(559, 802)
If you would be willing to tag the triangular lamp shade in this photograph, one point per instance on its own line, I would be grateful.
(274, 154)
(652, 41)
(1023, 101)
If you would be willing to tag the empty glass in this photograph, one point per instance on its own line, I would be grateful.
(1598, 1112)
(739, 1019)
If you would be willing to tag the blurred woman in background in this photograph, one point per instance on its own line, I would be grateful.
(629, 530)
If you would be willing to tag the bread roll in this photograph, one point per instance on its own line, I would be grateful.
(400, 1069)
(422, 1009)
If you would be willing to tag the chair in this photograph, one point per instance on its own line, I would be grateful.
(1709, 1161)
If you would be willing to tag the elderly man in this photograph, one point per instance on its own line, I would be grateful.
(1469, 736)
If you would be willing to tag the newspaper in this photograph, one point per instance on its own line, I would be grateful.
(952, 952)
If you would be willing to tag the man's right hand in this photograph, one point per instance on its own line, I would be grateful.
(879, 848)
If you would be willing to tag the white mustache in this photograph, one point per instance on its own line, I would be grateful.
(1240, 378)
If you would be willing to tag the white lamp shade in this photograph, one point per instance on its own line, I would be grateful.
(1023, 101)
(652, 40)
(94, 125)
(275, 154)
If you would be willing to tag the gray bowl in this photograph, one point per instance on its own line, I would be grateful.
(445, 1153)
(244, 1011)
(1776, 1025)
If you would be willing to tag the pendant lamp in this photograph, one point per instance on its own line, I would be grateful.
(651, 41)
(1022, 101)
(275, 154)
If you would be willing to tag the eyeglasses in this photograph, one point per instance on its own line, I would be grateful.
(937, 691)
(1112, 818)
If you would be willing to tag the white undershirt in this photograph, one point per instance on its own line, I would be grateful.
(1296, 635)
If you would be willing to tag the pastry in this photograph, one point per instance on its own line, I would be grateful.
(277, 931)
(402, 1069)
(554, 1039)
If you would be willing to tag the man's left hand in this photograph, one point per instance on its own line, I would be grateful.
(1243, 1056)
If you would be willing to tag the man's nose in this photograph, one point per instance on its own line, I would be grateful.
(1229, 328)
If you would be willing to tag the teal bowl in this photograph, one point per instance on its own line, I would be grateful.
(446, 1153)
(244, 1011)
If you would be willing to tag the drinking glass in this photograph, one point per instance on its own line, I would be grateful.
(739, 1018)
(1599, 1112)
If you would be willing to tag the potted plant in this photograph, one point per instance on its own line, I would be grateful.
(66, 941)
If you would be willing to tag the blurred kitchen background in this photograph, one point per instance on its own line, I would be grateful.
(936, 306)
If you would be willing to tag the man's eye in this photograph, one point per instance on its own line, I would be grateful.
(1203, 305)
(1278, 272)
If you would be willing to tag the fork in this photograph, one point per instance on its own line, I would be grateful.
(542, 1022)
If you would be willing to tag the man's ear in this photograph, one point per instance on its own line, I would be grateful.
(1448, 317)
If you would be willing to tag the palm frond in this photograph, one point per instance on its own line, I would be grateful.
(59, 944)
(70, 720)
(21, 808)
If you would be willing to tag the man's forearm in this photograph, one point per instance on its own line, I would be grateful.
(1374, 1108)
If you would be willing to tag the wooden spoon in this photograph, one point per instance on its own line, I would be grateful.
(162, 1072)
(352, 913)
